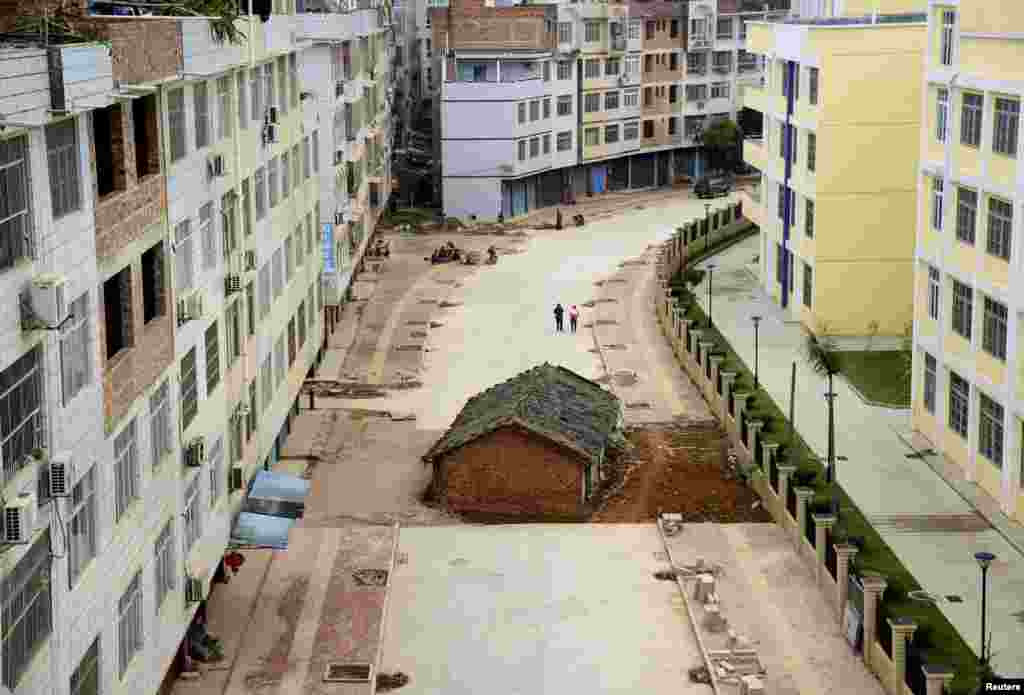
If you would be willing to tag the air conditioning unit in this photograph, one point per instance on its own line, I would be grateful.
(622, 80)
(339, 218)
(193, 590)
(701, 105)
(250, 261)
(20, 519)
(339, 88)
(339, 157)
(62, 474)
(232, 283)
(215, 167)
(48, 301)
(272, 114)
(270, 134)
(195, 452)
(236, 479)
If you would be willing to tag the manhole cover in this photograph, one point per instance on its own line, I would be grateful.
(416, 323)
(638, 405)
(418, 334)
(337, 672)
(409, 348)
(607, 322)
(370, 577)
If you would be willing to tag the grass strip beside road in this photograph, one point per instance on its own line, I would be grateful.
(880, 376)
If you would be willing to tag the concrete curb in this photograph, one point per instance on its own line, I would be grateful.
(689, 612)
(384, 611)
(867, 401)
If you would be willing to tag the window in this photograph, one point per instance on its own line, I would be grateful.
(591, 103)
(285, 174)
(117, 310)
(966, 214)
(250, 308)
(272, 189)
(242, 102)
(224, 117)
(782, 202)
(259, 184)
(565, 70)
(301, 321)
(266, 374)
(934, 292)
(812, 91)
(592, 31)
(233, 328)
(631, 97)
(282, 76)
(85, 679)
(546, 143)
(27, 610)
(547, 107)
(792, 144)
(250, 419)
(649, 62)
(930, 381)
(564, 35)
(163, 565)
(564, 141)
(75, 350)
(946, 39)
(296, 166)
(696, 63)
(126, 470)
(611, 134)
(591, 136)
(648, 96)
(534, 111)
(808, 285)
(809, 219)
(193, 513)
(673, 125)
(812, 151)
(612, 67)
(15, 218)
(1007, 122)
(216, 471)
(212, 359)
(632, 65)
(631, 130)
(201, 104)
(674, 29)
(941, 113)
(724, 28)
(1000, 228)
(277, 273)
(648, 129)
(634, 30)
(522, 112)
(293, 70)
(990, 430)
(289, 260)
(592, 68)
(316, 151)
(696, 92)
(993, 329)
(208, 236)
(189, 390)
(534, 147)
(970, 126)
(82, 526)
(62, 159)
(255, 90)
(719, 90)
(176, 123)
(937, 185)
(154, 301)
(279, 357)
(673, 94)
(963, 308)
(292, 347)
(522, 150)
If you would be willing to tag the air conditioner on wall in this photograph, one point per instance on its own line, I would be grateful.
(270, 134)
(272, 114)
(46, 294)
(250, 261)
(19, 519)
(62, 475)
(232, 283)
(215, 167)
(236, 479)
(193, 590)
(195, 452)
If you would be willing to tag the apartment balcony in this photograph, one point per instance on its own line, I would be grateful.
(82, 78)
(202, 54)
(326, 26)
(493, 91)
(659, 107)
(663, 75)
(755, 154)
(696, 72)
(698, 43)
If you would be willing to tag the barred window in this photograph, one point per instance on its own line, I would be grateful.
(592, 68)
(82, 526)
(216, 459)
(27, 611)
(934, 292)
(990, 430)
(946, 38)
(129, 624)
(264, 290)
(193, 513)
(161, 435)
(233, 328)
(565, 70)
(243, 102)
(15, 215)
(1000, 228)
(930, 382)
(630, 131)
(809, 219)
(970, 125)
(164, 566)
(564, 36)
(208, 236)
(189, 389)
(202, 115)
(563, 141)
(126, 470)
(259, 183)
(937, 186)
(966, 214)
(176, 123)
(592, 31)
(212, 359)
(1006, 126)
(994, 328)
(963, 308)
(941, 113)
(959, 404)
(75, 350)
(224, 115)
(63, 159)
(85, 679)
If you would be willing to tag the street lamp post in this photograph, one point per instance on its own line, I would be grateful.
(830, 397)
(984, 561)
(711, 274)
(707, 225)
(757, 320)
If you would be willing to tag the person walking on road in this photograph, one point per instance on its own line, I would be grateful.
(559, 311)
(574, 315)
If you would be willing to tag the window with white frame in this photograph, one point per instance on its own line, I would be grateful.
(990, 429)
(15, 204)
(75, 349)
(82, 526)
(255, 92)
(592, 68)
(930, 383)
(611, 133)
(812, 87)
(193, 515)
(263, 284)
(591, 103)
(564, 70)
(631, 97)
(160, 432)
(634, 30)
(212, 341)
(959, 403)
(225, 118)
(1006, 126)
(534, 147)
(85, 679)
(201, 106)
(229, 227)
(632, 65)
(534, 110)
(189, 389)
(208, 236)
(994, 328)
(25, 595)
(591, 136)
(260, 186)
(564, 105)
(941, 113)
(164, 566)
(611, 100)
(62, 158)
(631, 130)
(937, 208)
(719, 90)
(970, 120)
(966, 214)
(1000, 228)
(963, 309)
(176, 124)
(563, 142)
(946, 38)
(564, 33)
(289, 259)
(126, 470)
(216, 458)
(934, 292)
(612, 67)
(521, 145)
(277, 268)
(592, 31)
(696, 92)
(724, 32)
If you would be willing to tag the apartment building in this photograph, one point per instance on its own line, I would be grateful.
(544, 103)
(841, 108)
(968, 391)
(164, 212)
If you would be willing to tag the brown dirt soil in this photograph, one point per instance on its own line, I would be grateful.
(679, 468)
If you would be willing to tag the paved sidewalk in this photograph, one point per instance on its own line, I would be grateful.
(885, 484)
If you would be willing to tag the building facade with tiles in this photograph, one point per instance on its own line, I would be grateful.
(968, 392)
(167, 197)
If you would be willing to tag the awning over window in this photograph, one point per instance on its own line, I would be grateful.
(274, 503)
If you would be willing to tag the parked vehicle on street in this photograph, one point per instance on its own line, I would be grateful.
(707, 187)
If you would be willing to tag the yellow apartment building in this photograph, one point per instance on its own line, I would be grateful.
(842, 108)
(968, 391)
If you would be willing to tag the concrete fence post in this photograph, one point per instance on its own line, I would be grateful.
(727, 380)
(753, 427)
(937, 677)
(844, 555)
(902, 632)
(716, 364)
(803, 496)
(769, 450)
(822, 523)
(698, 333)
(705, 353)
(874, 587)
(785, 471)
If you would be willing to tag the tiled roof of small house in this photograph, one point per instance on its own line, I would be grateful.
(550, 401)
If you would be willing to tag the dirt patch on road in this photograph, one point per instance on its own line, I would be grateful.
(679, 468)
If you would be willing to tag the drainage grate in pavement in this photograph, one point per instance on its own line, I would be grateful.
(428, 301)
(607, 322)
(409, 348)
(614, 346)
(416, 323)
(366, 577)
(418, 334)
(339, 672)
(638, 405)
(931, 523)
(607, 300)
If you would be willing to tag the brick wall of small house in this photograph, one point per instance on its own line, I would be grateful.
(512, 472)
(468, 24)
